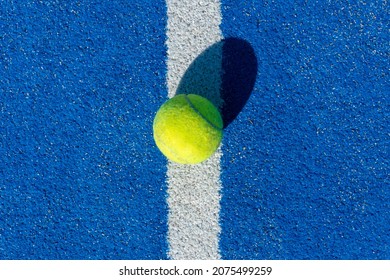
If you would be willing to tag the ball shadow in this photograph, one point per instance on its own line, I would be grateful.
(225, 73)
(239, 66)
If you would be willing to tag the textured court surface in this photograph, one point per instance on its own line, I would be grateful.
(304, 167)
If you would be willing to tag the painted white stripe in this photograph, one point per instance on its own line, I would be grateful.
(194, 190)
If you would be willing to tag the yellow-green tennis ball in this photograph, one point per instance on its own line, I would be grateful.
(188, 129)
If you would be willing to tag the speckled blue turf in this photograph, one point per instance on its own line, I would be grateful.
(305, 165)
(80, 177)
(306, 162)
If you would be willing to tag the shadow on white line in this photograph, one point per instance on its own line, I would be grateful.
(225, 73)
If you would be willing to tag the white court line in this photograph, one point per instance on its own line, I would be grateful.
(194, 190)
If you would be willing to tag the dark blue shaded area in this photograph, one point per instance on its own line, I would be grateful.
(239, 64)
(306, 162)
(80, 177)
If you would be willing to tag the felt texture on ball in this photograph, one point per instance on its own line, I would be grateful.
(188, 129)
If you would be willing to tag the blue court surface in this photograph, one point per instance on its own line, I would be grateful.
(305, 168)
